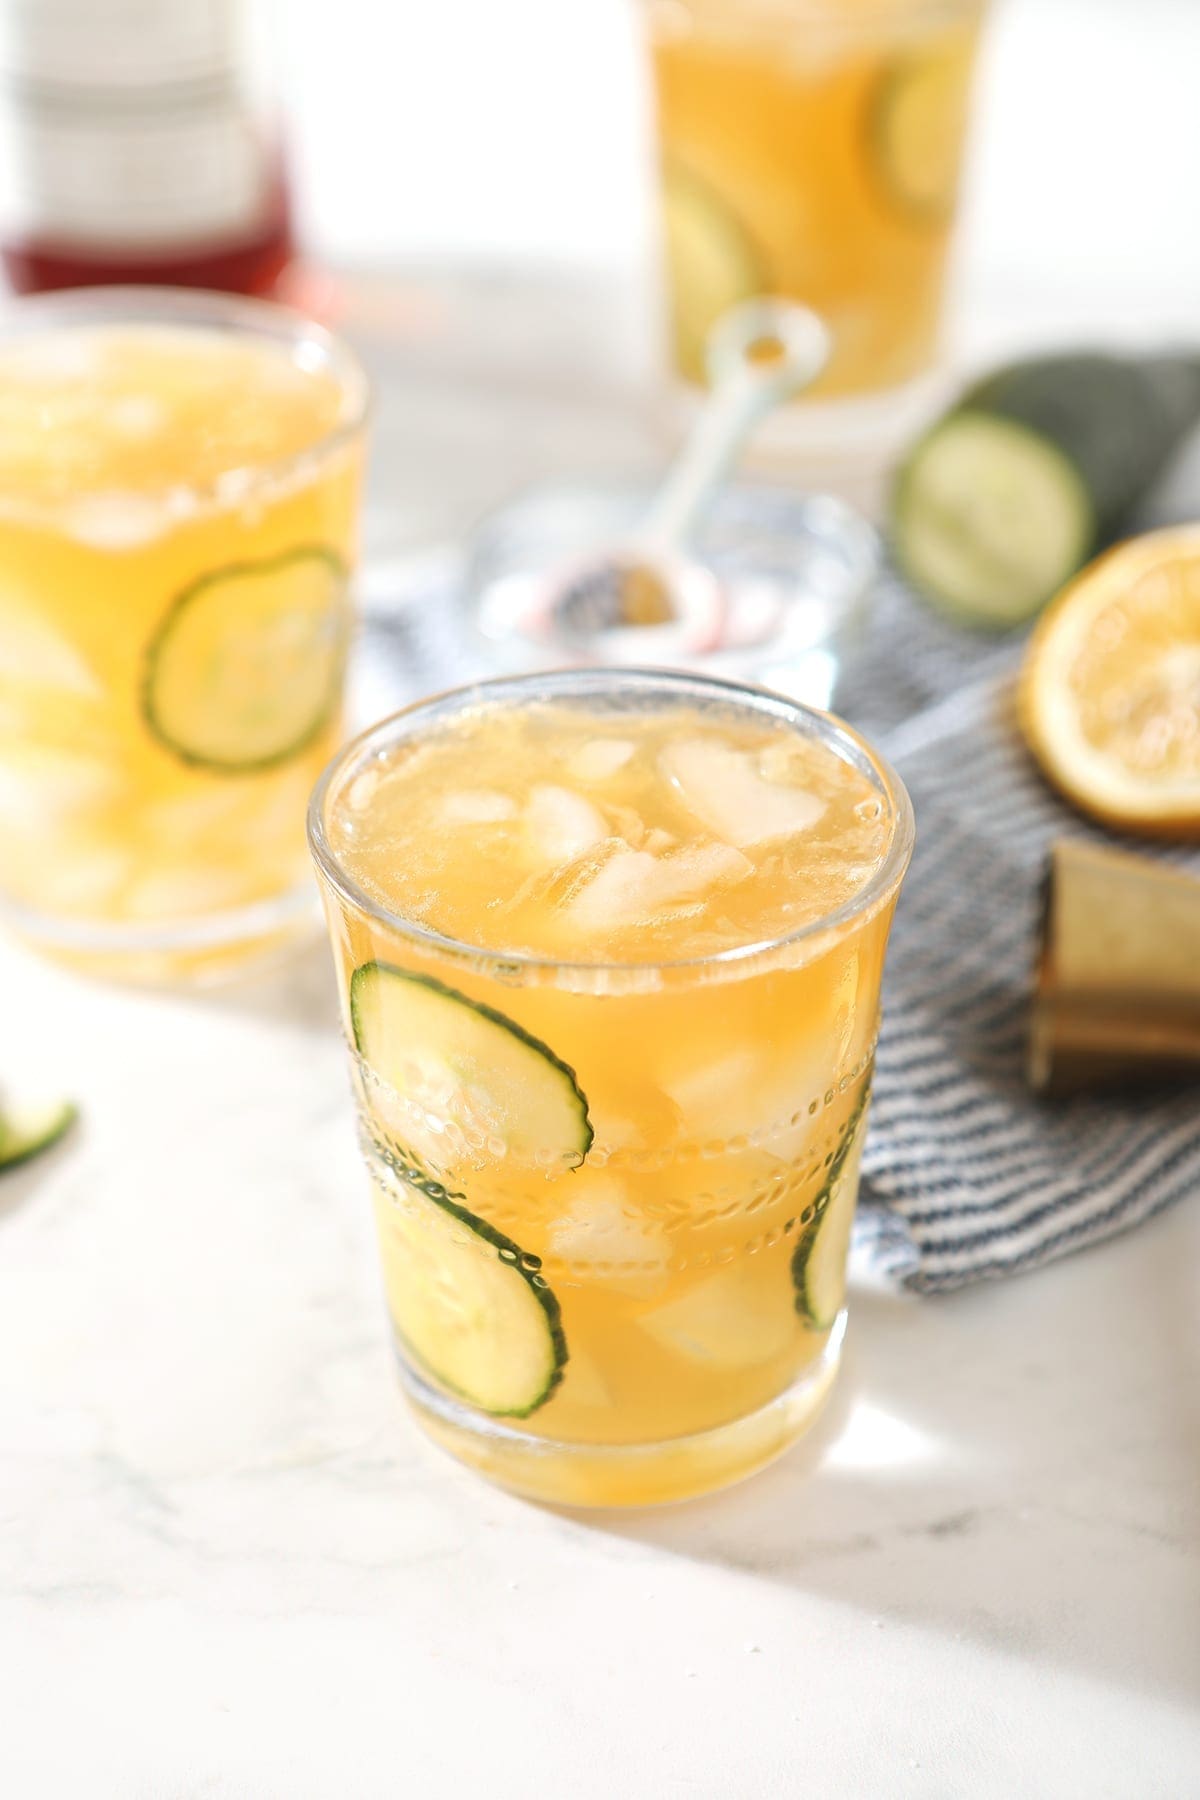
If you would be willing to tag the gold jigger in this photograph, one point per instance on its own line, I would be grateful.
(1117, 982)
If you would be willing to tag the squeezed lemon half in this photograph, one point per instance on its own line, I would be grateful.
(1109, 699)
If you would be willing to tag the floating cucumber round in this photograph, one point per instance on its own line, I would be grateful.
(819, 1260)
(917, 119)
(1007, 495)
(455, 1062)
(245, 668)
(469, 1304)
(711, 261)
(31, 1126)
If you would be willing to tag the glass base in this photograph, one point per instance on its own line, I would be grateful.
(204, 951)
(611, 1475)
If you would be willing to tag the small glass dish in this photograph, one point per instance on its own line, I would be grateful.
(794, 572)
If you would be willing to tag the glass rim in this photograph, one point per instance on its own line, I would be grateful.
(240, 315)
(546, 685)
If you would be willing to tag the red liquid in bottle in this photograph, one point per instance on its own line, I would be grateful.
(250, 265)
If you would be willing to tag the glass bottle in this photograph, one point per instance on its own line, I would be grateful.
(139, 142)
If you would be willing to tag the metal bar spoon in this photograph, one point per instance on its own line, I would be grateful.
(650, 598)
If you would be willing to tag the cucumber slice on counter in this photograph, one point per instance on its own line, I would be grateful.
(916, 124)
(470, 1304)
(27, 1127)
(1007, 495)
(464, 1064)
(245, 668)
(711, 261)
(819, 1260)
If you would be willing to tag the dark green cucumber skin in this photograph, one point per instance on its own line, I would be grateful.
(393, 970)
(19, 1158)
(820, 1206)
(1117, 419)
(409, 1169)
(184, 598)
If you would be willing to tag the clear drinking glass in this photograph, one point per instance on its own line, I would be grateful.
(795, 572)
(179, 480)
(614, 1195)
(812, 149)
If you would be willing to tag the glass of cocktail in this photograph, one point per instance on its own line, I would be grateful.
(178, 497)
(609, 947)
(812, 148)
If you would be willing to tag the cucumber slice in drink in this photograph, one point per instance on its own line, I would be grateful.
(819, 1261)
(244, 670)
(469, 1304)
(916, 125)
(27, 1127)
(1007, 495)
(461, 1065)
(712, 264)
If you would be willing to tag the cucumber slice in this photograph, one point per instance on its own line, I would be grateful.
(819, 1260)
(917, 121)
(990, 519)
(245, 668)
(469, 1304)
(27, 1127)
(1006, 496)
(711, 264)
(461, 1074)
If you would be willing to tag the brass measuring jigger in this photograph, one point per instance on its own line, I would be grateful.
(1117, 980)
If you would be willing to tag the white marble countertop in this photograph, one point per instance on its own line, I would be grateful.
(232, 1569)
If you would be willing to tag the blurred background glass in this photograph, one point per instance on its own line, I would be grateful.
(179, 476)
(812, 148)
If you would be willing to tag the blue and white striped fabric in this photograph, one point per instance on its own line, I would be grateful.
(967, 1175)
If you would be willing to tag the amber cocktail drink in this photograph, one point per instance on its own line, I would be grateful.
(812, 148)
(609, 948)
(178, 498)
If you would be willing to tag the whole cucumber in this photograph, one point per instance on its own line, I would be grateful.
(1031, 471)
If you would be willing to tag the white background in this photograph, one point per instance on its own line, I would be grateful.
(517, 132)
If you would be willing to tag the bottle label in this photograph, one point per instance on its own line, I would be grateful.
(128, 125)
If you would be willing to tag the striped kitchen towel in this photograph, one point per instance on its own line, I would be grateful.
(967, 1175)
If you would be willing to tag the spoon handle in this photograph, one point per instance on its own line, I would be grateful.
(759, 355)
